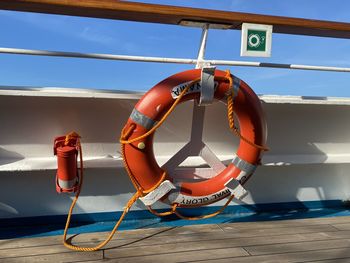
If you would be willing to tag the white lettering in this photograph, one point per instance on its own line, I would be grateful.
(176, 91)
(189, 200)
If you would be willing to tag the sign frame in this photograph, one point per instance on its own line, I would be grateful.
(254, 41)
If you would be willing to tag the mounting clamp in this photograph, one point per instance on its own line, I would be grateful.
(207, 86)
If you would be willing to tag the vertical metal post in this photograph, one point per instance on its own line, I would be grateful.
(196, 146)
(199, 112)
(202, 47)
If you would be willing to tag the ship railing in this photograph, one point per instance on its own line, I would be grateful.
(178, 15)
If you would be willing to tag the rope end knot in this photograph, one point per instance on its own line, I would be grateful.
(70, 137)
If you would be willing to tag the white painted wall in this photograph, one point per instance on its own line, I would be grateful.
(309, 140)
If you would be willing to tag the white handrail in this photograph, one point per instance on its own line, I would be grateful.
(168, 60)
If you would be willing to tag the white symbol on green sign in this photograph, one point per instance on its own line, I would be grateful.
(256, 40)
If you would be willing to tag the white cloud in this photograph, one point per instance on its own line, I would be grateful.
(95, 36)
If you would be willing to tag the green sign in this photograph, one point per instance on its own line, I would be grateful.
(256, 40)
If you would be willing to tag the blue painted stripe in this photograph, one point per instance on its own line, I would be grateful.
(96, 222)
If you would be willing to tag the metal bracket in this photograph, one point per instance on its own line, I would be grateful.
(236, 189)
(190, 23)
(207, 86)
(196, 146)
(200, 59)
(152, 197)
(207, 75)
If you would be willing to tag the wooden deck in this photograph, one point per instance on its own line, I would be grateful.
(323, 240)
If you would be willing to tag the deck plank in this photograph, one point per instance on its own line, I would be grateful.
(182, 243)
(277, 247)
(278, 230)
(290, 222)
(243, 241)
(182, 256)
(345, 226)
(192, 230)
(306, 240)
(43, 251)
(224, 256)
(129, 235)
(175, 248)
(56, 257)
(309, 256)
(340, 223)
(336, 260)
(297, 246)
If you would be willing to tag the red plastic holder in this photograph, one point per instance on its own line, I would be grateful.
(67, 176)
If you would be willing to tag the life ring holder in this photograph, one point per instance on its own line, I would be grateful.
(231, 89)
(155, 106)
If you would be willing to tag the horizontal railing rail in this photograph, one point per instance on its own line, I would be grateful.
(169, 60)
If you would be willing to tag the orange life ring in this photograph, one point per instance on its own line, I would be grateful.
(139, 156)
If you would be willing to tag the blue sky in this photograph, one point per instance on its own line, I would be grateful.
(64, 33)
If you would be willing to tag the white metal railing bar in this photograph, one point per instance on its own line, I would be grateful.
(169, 60)
(18, 51)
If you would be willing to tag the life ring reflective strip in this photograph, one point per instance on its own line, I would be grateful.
(140, 158)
